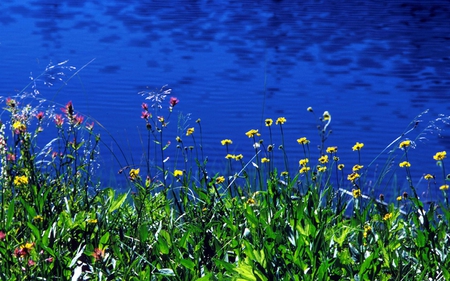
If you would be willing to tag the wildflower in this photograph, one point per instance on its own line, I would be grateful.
(145, 115)
(399, 198)
(18, 126)
(92, 221)
(134, 174)
(177, 173)
(332, 149)
(405, 144)
(341, 167)
(2, 235)
(280, 121)
(367, 230)
(40, 116)
(59, 120)
(357, 167)
(220, 179)
(353, 176)
(38, 218)
(428, 177)
(269, 148)
(161, 119)
(173, 101)
(303, 170)
(444, 187)
(98, 254)
(440, 155)
(387, 216)
(20, 180)
(303, 162)
(68, 109)
(198, 120)
(252, 133)
(335, 158)
(144, 106)
(226, 142)
(78, 120)
(265, 160)
(303, 140)
(321, 169)
(356, 193)
(323, 159)
(405, 164)
(23, 250)
(49, 260)
(310, 109)
(190, 131)
(251, 201)
(326, 116)
(239, 157)
(31, 262)
(284, 173)
(230, 156)
(269, 122)
(358, 146)
(90, 127)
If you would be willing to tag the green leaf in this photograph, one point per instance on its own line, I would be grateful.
(34, 230)
(10, 214)
(117, 203)
(104, 240)
(189, 264)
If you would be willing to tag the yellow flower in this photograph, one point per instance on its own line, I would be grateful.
(269, 122)
(353, 176)
(190, 131)
(326, 116)
(304, 170)
(252, 133)
(92, 221)
(226, 142)
(177, 173)
(38, 218)
(280, 121)
(20, 180)
(332, 149)
(303, 162)
(321, 169)
(239, 157)
(367, 230)
(405, 144)
(251, 201)
(356, 193)
(303, 140)
(399, 198)
(178, 139)
(284, 173)
(387, 216)
(335, 158)
(341, 167)
(310, 109)
(357, 167)
(358, 146)
(323, 159)
(405, 164)
(19, 126)
(134, 174)
(428, 177)
(444, 187)
(230, 156)
(220, 179)
(265, 160)
(440, 155)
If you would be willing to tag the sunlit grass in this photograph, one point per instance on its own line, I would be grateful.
(180, 220)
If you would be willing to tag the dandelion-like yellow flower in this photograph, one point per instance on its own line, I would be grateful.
(440, 155)
(38, 218)
(252, 133)
(251, 201)
(444, 187)
(335, 158)
(190, 131)
(356, 193)
(367, 230)
(310, 109)
(284, 173)
(280, 121)
(353, 176)
(358, 146)
(134, 174)
(321, 169)
(269, 122)
(326, 116)
(226, 142)
(177, 173)
(239, 157)
(230, 156)
(428, 177)
(220, 179)
(303, 140)
(92, 221)
(17, 125)
(323, 159)
(304, 170)
(405, 144)
(399, 198)
(332, 149)
(405, 164)
(357, 167)
(20, 180)
(341, 167)
(303, 162)
(387, 216)
(265, 160)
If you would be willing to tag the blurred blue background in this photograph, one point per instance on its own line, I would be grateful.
(374, 65)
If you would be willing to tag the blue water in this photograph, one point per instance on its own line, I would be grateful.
(374, 65)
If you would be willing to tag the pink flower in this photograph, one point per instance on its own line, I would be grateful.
(90, 127)
(31, 262)
(2, 235)
(68, 109)
(144, 106)
(173, 101)
(145, 115)
(78, 120)
(50, 259)
(40, 115)
(59, 120)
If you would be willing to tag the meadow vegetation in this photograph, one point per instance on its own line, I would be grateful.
(250, 220)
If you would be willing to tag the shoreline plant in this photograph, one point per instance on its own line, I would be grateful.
(179, 220)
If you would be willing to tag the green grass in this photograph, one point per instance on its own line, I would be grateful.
(251, 220)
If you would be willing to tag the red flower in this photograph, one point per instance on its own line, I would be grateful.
(144, 106)
(59, 120)
(40, 115)
(68, 109)
(98, 254)
(145, 115)
(173, 101)
(78, 120)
